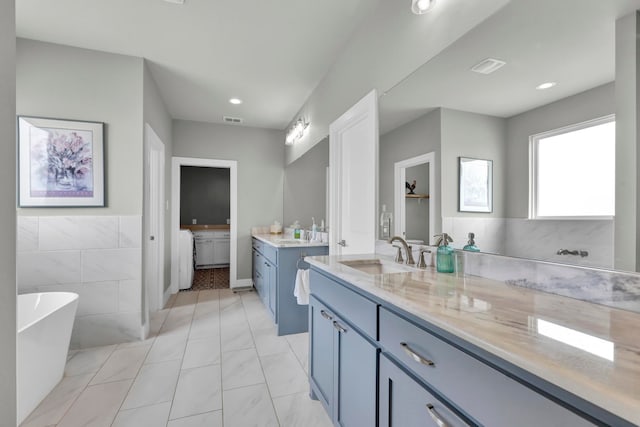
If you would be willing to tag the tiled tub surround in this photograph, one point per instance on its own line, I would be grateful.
(507, 322)
(97, 257)
(611, 288)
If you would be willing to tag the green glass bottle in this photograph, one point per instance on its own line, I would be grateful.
(471, 244)
(445, 259)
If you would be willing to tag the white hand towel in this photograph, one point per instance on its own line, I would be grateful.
(301, 289)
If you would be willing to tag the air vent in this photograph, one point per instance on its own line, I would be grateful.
(175, 1)
(487, 66)
(232, 120)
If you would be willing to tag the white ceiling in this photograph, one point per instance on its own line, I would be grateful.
(271, 54)
(570, 42)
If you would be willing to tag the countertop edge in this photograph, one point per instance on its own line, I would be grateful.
(270, 239)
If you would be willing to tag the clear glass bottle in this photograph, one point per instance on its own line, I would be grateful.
(386, 219)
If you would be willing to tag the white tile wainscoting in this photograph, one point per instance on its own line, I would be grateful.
(99, 258)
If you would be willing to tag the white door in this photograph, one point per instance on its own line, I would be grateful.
(353, 170)
(154, 221)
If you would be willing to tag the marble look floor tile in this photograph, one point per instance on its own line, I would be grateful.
(151, 416)
(233, 315)
(236, 338)
(205, 308)
(171, 301)
(210, 419)
(201, 352)
(205, 326)
(97, 405)
(268, 342)
(300, 345)
(186, 298)
(198, 391)
(124, 363)
(155, 383)
(241, 368)
(284, 374)
(167, 347)
(208, 295)
(89, 360)
(54, 406)
(299, 410)
(249, 406)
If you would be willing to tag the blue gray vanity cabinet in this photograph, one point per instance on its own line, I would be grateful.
(274, 275)
(407, 403)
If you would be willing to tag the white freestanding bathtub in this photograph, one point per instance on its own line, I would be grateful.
(45, 321)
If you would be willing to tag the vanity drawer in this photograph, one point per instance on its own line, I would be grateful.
(360, 311)
(484, 393)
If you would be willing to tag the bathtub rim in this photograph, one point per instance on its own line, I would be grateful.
(66, 298)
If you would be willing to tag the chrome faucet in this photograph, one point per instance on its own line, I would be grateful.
(407, 249)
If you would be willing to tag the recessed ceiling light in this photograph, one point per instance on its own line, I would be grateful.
(235, 101)
(546, 85)
(421, 6)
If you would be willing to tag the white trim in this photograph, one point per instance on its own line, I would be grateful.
(166, 296)
(232, 165)
(533, 164)
(244, 283)
(399, 199)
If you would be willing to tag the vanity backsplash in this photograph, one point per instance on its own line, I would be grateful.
(612, 288)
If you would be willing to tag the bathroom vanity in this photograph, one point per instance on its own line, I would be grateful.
(275, 264)
(420, 348)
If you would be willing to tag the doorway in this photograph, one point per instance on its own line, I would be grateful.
(405, 172)
(229, 242)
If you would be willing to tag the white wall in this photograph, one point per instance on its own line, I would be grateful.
(7, 214)
(95, 251)
(260, 157)
(305, 186)
(417, 210)
(157, 116)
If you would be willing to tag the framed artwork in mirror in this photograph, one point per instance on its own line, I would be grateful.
(476, 185)
(60, 163)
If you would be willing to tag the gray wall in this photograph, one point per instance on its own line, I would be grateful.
(477, 136)
(415, 138)
(591, 104)
(305, 186)
(204, 195)
(260, 157)
(79, 84)
(417, 210)
(157, 116)
(7, 214)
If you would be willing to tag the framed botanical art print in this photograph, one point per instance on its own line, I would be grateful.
(60, 162)
(476, 185)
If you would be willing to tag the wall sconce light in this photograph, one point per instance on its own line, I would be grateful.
(421, 6)
(297, 131)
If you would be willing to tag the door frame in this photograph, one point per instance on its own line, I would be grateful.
(153, 296)
(232, 165)
(399, 205)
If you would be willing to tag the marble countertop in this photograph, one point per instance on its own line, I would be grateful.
(519, 326)
(280, 241)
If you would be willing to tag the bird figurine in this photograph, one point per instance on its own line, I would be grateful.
(411, 186)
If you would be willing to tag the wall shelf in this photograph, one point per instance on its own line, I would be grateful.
(417, 196)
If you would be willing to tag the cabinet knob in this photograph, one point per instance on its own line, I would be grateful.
(435, 416)
(415, 356)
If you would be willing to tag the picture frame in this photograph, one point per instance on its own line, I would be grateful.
(476, 185)
(60, 163)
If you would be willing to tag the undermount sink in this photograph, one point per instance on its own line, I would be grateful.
(376, 266)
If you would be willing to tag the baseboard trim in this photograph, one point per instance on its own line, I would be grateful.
(241, 284)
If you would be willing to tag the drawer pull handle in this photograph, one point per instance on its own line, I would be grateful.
(339, 327)
(435, 416)
(326, 315)
(415, 356)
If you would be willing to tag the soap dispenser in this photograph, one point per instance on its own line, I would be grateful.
(445, 259)
(471, 244)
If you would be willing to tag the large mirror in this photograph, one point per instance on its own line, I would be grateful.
(446, 108)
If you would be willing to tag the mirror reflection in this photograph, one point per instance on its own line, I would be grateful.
(534, 70)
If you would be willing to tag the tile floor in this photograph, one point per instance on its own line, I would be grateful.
(213, 359)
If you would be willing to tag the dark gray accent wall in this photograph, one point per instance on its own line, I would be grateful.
(305, 186)
(204, 195)
(8, 213)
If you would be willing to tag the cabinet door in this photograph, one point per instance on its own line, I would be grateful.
(204, 252)
(273, 288)
(321, 352)
(356, 377)
(221, 251)
(404, 402)
(257, 271)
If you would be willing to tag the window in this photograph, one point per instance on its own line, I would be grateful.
(573, 171)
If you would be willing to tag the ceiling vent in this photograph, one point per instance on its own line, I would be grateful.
(487, 66)
(175, 1)
(232, 120)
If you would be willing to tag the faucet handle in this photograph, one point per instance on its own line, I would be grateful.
(421, 261)
(399, 258)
